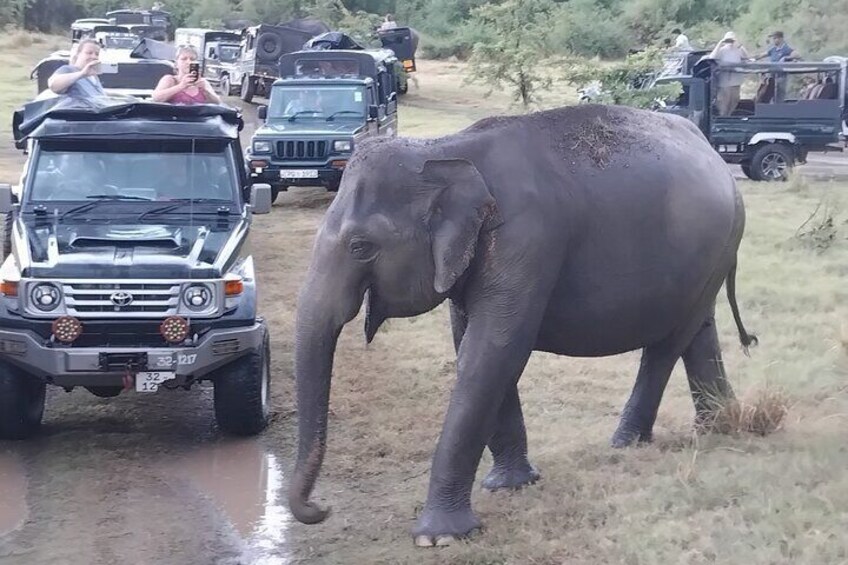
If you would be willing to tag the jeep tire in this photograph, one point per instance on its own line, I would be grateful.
(8, 223)
(772, 162)
(269, 46)
(243, 392)
(275, 192)
(21, 403)
(225, 87)
(746, 168)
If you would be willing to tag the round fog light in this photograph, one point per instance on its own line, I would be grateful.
(67, 329)
(174, 329)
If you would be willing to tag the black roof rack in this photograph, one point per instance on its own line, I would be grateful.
(211, 120)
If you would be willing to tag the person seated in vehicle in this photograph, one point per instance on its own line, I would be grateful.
(728, 52)
(681, 41)
(185, 87)
(388, 23)
(306, 101)
(79, 79)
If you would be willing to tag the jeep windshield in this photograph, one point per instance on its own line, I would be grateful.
(133, 172)
(120, 42)
(317, 102)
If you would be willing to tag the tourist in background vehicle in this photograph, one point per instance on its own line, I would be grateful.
(186, 87)
(388, 23)
(681, 41)
(728, 51)
(79, 79)
(779, 52)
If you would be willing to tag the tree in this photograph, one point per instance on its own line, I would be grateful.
(514, 42)
(627, 83)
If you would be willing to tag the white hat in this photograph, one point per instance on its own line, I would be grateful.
(729, 35)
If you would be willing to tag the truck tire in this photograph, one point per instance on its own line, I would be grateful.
(746, 168)
(243, 392)
(275, 192)
(225, 86)
(269, 45)
(248, 88)
(21, 403)
(772, 162)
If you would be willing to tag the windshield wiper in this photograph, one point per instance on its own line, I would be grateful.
(296, 114)
(180, 202)
(334, 114)
(97, 200)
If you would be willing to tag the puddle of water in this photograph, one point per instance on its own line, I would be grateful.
(13, 488)
(247, 483)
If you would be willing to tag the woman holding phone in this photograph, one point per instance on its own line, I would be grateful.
(79, 79)
(187, 86)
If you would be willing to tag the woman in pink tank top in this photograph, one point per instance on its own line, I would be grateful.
(185, 87)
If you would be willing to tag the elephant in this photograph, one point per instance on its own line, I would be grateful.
(583, 231)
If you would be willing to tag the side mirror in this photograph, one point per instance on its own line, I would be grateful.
(260, 199)
(262, 112)
(7, 203)
(373, 111)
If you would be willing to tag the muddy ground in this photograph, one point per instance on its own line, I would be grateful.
(148, 479)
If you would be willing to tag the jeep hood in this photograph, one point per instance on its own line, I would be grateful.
(188, 250)
(307, 127)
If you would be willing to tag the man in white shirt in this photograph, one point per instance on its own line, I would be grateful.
(388, 23)
(728, 52)
(681, 42)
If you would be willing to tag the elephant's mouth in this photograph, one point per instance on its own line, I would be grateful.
(374, 314)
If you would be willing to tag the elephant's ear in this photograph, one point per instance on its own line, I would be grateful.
(462, 207)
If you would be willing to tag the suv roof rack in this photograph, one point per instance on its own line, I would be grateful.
(27, 119)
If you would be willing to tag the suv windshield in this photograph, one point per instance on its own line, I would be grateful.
(310, 102)
(120, 42)
(151, 170)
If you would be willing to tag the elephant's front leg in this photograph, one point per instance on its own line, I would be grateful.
(493, 353)
(508, 444)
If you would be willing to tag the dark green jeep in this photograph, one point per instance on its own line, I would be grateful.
(324, 104)
(770, 129)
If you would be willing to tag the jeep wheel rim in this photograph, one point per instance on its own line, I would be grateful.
(774, 166)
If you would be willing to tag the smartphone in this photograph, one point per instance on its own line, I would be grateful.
(194, 68)
(108, 68)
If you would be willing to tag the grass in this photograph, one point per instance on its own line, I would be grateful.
(741, 497)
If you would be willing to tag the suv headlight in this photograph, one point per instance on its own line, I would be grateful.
(342, 145)
(261, 146)
(197, 297)
(45, 297)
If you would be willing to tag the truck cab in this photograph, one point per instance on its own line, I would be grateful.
(765, 135)
(126, 260)
(327, 103)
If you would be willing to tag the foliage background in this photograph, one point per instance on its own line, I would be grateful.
(589, 28)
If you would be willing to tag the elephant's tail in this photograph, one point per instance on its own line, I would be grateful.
(744, 337)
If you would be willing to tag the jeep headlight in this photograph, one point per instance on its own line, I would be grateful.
(342, 145)
(45, 297)
(261, 146)
(197, 297)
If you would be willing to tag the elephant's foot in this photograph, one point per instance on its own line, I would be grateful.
(440, 528)
(512, 476)
(627, 437)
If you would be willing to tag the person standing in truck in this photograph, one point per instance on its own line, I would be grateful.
(388, 23)
(79, 79)
(728, 51)
(186, 87)
(779, 52)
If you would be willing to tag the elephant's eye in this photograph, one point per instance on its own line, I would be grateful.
(362, 250)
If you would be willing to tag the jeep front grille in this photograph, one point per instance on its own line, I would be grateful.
(97, 299)
(301, 149)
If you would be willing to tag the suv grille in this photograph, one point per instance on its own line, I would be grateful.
(101, 299)
(301, 149)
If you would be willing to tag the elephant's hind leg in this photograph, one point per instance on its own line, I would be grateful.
(508, 445)
(705, 370)
(640, 412)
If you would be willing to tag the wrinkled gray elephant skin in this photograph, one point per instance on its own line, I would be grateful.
(586, 231)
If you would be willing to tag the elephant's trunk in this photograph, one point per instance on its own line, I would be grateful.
(320, 318)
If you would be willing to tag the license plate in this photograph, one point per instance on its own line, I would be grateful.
(299, 174)
(149, 381)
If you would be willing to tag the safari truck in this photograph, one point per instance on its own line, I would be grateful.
(764, 135)
(218, 54)
(84, 27)
(154, 24)
(261, 49)
(126, 260)
(326, 103)
(403, 41)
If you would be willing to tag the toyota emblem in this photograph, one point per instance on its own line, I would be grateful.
(121, 298)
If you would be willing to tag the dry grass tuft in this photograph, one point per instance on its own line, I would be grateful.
(763, 415)
(17, 39)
